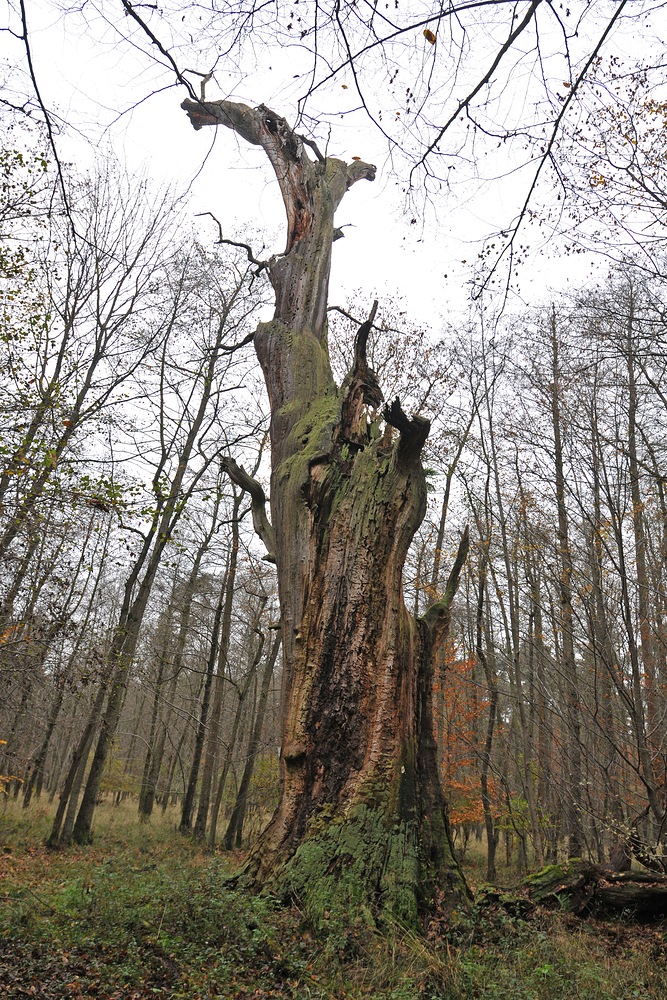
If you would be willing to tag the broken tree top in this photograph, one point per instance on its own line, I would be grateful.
(311, 189)
(253, 123)
(262, 127)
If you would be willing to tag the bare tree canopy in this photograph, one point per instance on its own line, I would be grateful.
(459, 95)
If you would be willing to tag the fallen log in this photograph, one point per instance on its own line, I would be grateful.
(584, 888)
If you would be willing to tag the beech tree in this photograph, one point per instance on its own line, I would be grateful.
(362, 818)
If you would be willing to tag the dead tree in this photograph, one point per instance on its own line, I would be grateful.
(361, 820)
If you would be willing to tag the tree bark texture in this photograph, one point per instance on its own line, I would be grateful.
(361, 824)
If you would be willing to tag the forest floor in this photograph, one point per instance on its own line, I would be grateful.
(143, 913)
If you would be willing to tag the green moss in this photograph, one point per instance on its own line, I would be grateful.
(365, 865)
(310, 437)
(551, 874)
(353, 869)
(310, 357)
(375, 430)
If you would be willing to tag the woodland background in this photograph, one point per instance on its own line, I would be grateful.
(122, 404)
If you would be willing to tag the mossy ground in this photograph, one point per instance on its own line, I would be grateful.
(143, 913)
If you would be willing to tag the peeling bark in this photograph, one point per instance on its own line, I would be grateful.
(361, 825)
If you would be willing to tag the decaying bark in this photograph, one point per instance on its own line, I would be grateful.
(587, 888)
(361, 825)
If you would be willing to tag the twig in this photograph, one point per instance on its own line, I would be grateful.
(260, 264)
(39, 899)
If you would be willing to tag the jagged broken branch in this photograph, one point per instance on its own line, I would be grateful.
(361, 388)
(260, 520)
(437, 617)
(413, 430)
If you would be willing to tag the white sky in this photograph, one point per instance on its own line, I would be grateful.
(87, 79)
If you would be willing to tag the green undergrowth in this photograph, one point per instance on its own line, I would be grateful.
(144, 913)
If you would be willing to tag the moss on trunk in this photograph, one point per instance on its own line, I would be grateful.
(369, 862)
(354, 866)
(361, 826)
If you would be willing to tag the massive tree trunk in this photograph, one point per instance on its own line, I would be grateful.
(361, 824)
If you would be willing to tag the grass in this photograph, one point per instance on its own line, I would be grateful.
(143, 913)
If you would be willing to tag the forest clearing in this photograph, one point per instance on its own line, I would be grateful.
(145, 913)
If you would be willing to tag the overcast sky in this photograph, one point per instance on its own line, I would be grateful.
(87, 77)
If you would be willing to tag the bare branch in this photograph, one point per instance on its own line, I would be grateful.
(260, 264)
(437, 617)
(130, 10)
(46, 114)
(465, 104)
(547, 156)
(261, 523)
(230, 348)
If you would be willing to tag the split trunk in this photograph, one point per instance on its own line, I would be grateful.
(361, 825)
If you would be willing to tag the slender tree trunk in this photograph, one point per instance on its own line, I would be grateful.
(514, 647)
(603, 653)
(492, 689)
(219, 681)
(572, 746)
(146, 794)
(147, 800)
(656, 728)
(10, 755)
(200, 737)
(234, 832)
(147, 791)
(635, 702)
(231, 745)
(171, 771)
(155, 753)
(61, 835)
(37, 768)
(10, 595)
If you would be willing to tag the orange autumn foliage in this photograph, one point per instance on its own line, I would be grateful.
(461, 731)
